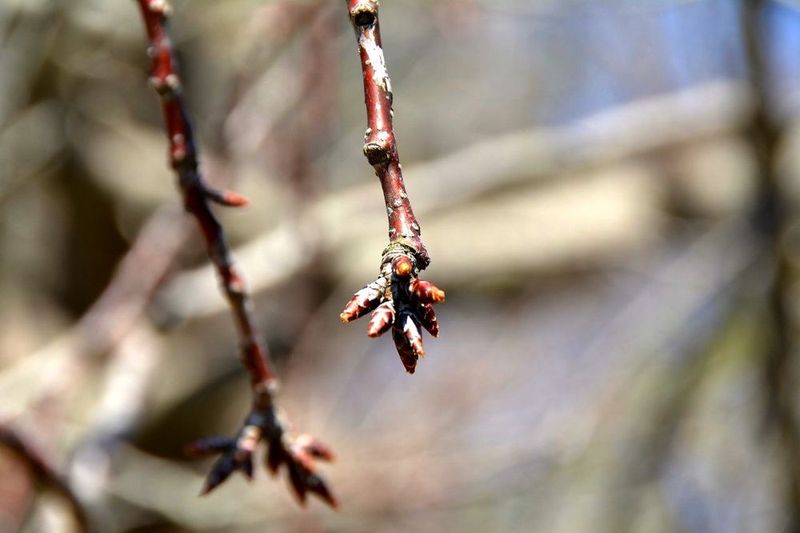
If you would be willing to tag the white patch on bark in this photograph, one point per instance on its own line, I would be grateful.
(379, 73)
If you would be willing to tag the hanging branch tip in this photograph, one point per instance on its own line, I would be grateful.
(263, 424)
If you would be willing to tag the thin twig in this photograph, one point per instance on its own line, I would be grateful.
(264, 422)
(400, 300)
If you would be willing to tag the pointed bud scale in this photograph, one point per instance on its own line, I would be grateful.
(232, 199)
(315, 448)
(301, 457)
(404, 350)
(411, 331)
(275, 457)
(317, 485)
(221, 470)
(382, 319)
(426, 292)
(247, 468)
(226, 198)
(297, 479)
(427, 316)
(402, 266)
(361, 303)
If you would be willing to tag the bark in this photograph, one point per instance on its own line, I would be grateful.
(406, 255)
(263, 423)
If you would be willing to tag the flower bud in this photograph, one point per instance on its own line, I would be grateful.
(426, 292)
(427, 317)
(361, 303)
(411, 331)
(382, 319)
(402, 266)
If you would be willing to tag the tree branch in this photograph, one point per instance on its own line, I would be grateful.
(45, 475)
(774, 218)
(264, 422)
(400, 300)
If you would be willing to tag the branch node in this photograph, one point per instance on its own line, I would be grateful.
(161, 7)
(365, 13)
(379, 149)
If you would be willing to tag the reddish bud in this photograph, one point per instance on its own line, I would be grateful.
(178, 153)
(411, 332)
(276, 455)
(226, 198)
(315, 448)
(297, 479)
(317, 486)
(427, 317)
(402, 266)
(222, 469)
(361, 303)
(404, 350)
(302, 457)
(298, 455)
(234, 199)
(426, 292)
(381, 320)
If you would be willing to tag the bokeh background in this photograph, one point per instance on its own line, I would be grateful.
(606, 189)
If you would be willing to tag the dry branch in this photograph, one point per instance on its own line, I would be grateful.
(263, 423)
(42, 473)
(402, 308)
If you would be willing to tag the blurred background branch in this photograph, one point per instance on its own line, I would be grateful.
(617, 234)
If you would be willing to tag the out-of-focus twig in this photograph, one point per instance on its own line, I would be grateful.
(263, 423)
(108, 321)
(772, 217)
(67, 360)
(279, 24)
(128, 378)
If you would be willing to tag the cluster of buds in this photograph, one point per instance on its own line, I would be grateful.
(298, 453)
(399, 301)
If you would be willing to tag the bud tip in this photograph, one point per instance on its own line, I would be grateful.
(236, 200)
(402, 266)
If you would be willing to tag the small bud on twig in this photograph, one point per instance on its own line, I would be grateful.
(411, 331)
(402, 266)
(426, 292)
(427, 318)
(381, 320)
(364, 301)
(226, 198)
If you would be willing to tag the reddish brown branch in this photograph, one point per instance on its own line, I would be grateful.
(396, 289)
(263, 422)
(43, 474)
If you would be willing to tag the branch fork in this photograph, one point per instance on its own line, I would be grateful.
(400, 301)
(264, 423)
